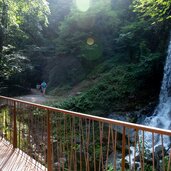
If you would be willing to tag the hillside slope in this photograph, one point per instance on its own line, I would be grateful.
(114, 86)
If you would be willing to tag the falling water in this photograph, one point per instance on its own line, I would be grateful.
(161, 117)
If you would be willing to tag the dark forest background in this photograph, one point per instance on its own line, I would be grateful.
(108, 58)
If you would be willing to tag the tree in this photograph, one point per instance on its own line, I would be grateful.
(12, 62)
(158, 10)
(14, 13)
(15, 17)
(59, 9)
(99, 23)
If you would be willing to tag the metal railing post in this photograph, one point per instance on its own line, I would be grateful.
(49, 148)
(14, 127)
(123, 149)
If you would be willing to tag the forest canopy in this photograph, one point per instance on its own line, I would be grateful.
(158, 10)
(17, 19)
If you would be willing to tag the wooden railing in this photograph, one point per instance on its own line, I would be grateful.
(66, 140)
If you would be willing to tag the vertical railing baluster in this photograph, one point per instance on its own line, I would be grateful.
(129, 150)
(19, 127)
(108, 146)
(94, 148)
(60, 140)
(42, 131)
(5, 124)
(153, 151)
(101, 165)
(140, 151)
(45, 138)
(63, 141)
(163, 164)
(11, 125)
(168, 167)
(49, 148)
(143, 151)
(72, 143)
(74, 140)
(28, 137)
(81, 146)
(86, 146)
(115, 145)
(83, 141)
(135, 144)
(56, 146)
(114, 139)
(14, 127)
(87, 143)
(123, 149)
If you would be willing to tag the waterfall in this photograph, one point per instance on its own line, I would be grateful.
(161, 117)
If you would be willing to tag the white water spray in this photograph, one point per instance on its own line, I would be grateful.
(161, 117)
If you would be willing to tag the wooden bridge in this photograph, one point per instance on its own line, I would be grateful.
(15, 160)
(38, 137)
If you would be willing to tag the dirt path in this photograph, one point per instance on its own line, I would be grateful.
(36, 97)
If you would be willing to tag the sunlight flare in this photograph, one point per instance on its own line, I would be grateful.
(83, 5)
(90, 41)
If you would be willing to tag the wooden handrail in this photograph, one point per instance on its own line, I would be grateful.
(55, 137)
(95, 118)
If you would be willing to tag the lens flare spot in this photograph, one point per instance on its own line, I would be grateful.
(90, 41)
(83, 5)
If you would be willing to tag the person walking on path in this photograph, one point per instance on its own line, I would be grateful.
(43, 87)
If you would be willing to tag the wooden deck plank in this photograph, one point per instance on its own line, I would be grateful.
(16, 160)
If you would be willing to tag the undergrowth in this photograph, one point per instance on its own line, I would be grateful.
(120, 87)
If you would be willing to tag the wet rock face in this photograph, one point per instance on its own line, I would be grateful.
(118, 116)
(169, 91)
(134, 116)
(159, 151)
(149, 109)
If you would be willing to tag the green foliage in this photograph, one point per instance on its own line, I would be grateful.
(158, 10)
(84, 25)
(18, 9)
(117, 88)
(100, 22)
(110, 167)
(12, 62)
(21, 16)
(166, 161)
(148, 167)
(116, 30)
(20, 24)
(123, 61)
